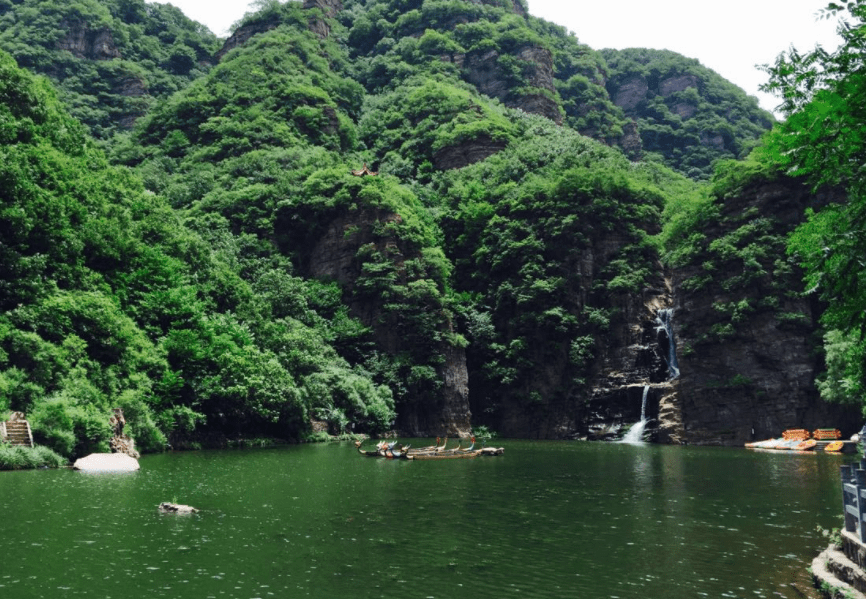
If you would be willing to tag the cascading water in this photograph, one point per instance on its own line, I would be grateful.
(634, 436)
(664, 319)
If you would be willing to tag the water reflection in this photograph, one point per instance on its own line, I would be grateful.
(545, 520)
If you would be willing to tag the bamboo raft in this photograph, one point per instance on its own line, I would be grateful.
(433, 452)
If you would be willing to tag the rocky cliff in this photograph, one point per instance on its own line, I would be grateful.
(536, 95)
(576, 367)
(748, 350)
(633, 358)
(242, 35)
(336, 256)
(686, 113)
(84, 42)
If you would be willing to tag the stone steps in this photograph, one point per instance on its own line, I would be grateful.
(837, 576)
(17, 432)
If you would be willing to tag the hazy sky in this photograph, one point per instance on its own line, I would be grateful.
(730, 37)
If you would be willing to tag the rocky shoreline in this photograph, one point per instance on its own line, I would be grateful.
(838, 571)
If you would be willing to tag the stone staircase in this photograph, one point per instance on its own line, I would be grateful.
(16, 432)
(838, 572)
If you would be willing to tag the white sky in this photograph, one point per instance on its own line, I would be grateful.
(729, 37)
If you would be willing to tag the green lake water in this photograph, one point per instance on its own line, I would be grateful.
(547, 519)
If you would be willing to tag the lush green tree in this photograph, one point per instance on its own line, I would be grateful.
(688, 116)
(823, 139)
(109, 58)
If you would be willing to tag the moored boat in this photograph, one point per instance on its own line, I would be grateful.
(383, 449)
(766, 444)
(835, 446)
(452, 455)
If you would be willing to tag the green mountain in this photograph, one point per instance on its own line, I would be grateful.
(110, 59)
(687, 115)
(419, 216)
(110, 300)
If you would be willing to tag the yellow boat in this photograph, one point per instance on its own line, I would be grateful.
(806, 445)
(835, 446)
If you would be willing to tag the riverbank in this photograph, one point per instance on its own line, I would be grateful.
(840, 570)
(19, 457)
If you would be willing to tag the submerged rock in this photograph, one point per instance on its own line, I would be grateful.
(176, 508)
(107, 462)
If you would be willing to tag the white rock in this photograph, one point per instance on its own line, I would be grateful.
(107, 462)
(176, 508)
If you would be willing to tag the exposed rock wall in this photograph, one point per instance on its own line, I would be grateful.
(317, 25)
(329, 9)
(627, 359)
(242, 35)
(743, 377)
(334, 257)
(632, 359)
(630, 142)
(482, 69)
(83, 42)
(750, 375)
(466, 153)
(630, 93)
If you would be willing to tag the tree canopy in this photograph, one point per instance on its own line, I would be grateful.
(823, 140)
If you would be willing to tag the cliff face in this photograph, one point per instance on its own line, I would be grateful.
(98, 45)
(483, 70)
(747, 343)
(684, 111)
(549, 403)
(466, 153)
(329, 9)
(633, 358)
(335, 257)
(83, 42)
(242, 35)
(317, 24)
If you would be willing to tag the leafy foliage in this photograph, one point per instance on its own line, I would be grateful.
(688, 116)
(110, 301)
(19, 457)
(109, 58)
(822, 139)
(233, 278)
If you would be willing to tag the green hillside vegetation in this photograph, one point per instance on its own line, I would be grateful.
(111, 300)
(109, 58)
(822, 140)
(688, 116)
(394, 41)
(518, 226)
(218, 272)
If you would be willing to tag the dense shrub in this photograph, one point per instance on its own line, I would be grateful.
(19, 457)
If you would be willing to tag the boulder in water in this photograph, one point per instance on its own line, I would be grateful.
(176, 508)
(106, 462)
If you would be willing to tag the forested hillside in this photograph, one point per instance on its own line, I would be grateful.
(687, 115)
(227, 268)
(111, 299)
(110, 59)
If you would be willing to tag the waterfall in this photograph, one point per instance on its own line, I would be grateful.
(664, 319)
(634, 436)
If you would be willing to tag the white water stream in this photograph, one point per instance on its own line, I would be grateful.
(634, 436)
(664, 319)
